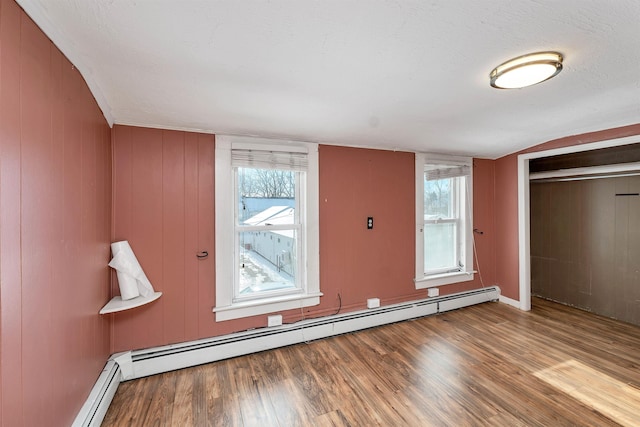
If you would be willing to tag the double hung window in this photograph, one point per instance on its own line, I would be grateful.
(266, 226)
(444, 246)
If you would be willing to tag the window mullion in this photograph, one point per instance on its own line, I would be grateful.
(441, 221)
(241, 228)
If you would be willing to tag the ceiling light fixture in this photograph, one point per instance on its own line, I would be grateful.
(526, 70)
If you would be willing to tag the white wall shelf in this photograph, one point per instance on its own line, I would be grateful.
(117, 304)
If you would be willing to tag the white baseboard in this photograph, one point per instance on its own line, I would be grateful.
(509, 301)
(151, 361)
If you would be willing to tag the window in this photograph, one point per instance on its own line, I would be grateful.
(444, 245)
(266, 226)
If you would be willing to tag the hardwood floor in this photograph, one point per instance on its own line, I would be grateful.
(486, 365)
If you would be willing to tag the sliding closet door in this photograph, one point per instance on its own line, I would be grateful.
(585, 244)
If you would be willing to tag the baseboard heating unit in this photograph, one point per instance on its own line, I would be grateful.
(156, 360)
(95, 407)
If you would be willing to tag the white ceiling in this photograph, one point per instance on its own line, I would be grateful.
(409, 75)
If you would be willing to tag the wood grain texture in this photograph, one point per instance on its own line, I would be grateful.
(486, 365)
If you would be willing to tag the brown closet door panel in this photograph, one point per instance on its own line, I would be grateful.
(539, 276)
(631, 281)
(600, 209)
(585, 245)
(539, 203)
(563, 227)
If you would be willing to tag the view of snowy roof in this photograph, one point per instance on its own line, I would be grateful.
(275, 215)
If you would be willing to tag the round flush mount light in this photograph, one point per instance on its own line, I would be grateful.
(526, 70)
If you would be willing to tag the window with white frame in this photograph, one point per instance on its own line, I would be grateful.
(267, 246)
(444, 245)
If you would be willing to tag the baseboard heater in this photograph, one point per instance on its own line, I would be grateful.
(168, 358)
(156, 360)
(95, 407)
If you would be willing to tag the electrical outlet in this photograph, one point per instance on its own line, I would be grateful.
(373, 303)
(275, 320)
(433, 292)
(369, 223)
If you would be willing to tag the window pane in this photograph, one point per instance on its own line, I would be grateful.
(267, 258)
(264, 196)
(438, 200)
(440, 247)
(267, 261)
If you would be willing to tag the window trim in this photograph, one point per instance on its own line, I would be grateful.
(421, 280)
(225, 307)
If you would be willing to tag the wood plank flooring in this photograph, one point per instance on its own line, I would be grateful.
(486, 365)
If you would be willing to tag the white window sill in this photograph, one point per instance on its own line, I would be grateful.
(443, 279)
(266, 305)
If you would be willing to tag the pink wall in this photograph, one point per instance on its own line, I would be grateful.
(506, 204)
(356, 262)
(484, 220)
(506, 218)
(55, 185)
(163, 204)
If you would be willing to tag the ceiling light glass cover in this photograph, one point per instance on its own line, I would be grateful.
(526, 70)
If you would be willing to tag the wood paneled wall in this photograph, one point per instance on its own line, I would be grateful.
(163, 204)
(585, 245)
(484, 221)
(55, 207)
(355, 262)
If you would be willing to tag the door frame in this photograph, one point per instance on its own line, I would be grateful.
(524, 219)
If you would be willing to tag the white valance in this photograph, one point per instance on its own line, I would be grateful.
(262, 159)
(439, 171)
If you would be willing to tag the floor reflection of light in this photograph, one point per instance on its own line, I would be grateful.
(609, 396)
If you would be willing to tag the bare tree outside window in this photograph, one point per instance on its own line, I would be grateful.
(437, 198)
(267, 183)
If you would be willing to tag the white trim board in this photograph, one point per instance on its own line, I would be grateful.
(524, 224)
(509, 301)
